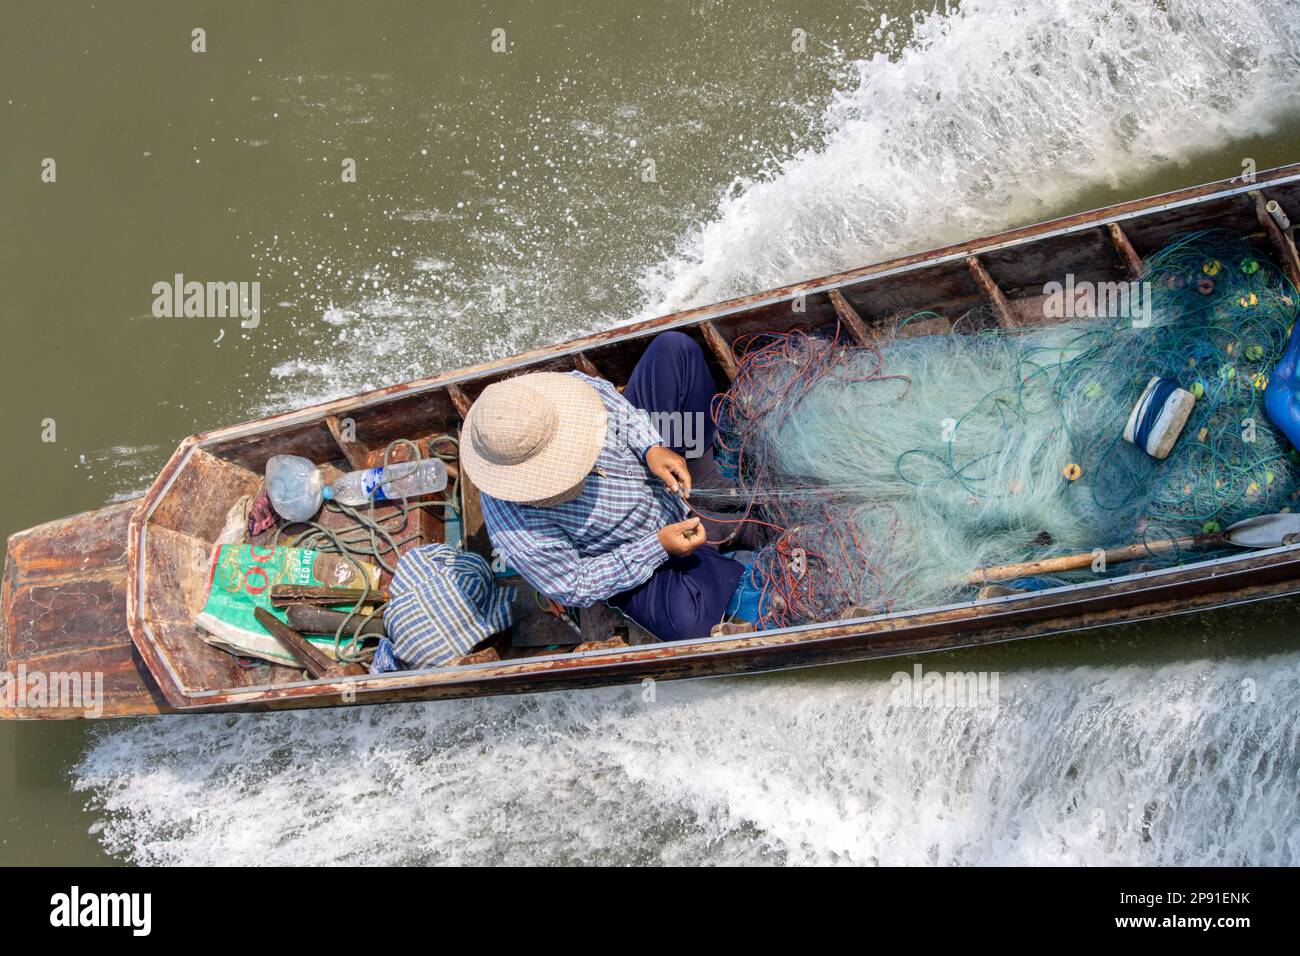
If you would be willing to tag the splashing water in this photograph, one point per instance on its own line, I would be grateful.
(995, 114)
(998, 114)
(1091, 765)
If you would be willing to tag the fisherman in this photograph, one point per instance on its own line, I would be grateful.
(582, 496)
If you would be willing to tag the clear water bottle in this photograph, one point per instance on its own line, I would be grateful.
(297, 488)
(409, 479)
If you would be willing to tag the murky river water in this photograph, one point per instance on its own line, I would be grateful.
(502, 201)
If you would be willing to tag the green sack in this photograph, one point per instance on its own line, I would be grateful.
(240, 581)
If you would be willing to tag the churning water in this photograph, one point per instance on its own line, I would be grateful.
(936, 128)
(1087, 765)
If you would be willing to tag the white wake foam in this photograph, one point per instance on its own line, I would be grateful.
(998, 114)
(1125, 765)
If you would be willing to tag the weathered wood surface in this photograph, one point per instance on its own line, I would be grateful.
(850, 318)
(63, 611)
(282, 595)
(989, 289)
(1119, 238)
(169, 565)
(471, 517)
(720, 349)
(460, 400)
(357, 454)
(586, 366)
(316, 662)
(1283, 242)
(1074, 562)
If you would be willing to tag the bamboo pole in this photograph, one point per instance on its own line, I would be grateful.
(1073, 562)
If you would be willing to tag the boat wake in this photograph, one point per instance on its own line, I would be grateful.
(1003, 113)
(1092, 765)
(961, 124)
(998, 114)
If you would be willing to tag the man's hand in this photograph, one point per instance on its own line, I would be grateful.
(682, 538)
(671, 468)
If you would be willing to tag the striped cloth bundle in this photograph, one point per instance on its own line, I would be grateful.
(442, 602)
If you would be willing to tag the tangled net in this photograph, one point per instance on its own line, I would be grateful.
(885, 476)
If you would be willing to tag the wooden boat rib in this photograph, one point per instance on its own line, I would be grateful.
(114, 591)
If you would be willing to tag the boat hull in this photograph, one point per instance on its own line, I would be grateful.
(124, 603)
(1139, 597)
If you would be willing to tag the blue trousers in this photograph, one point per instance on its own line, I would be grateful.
(685, 597)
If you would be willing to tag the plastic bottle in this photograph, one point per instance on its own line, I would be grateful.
(404, 478)
(297, 488)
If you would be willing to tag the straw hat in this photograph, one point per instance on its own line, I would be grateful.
(533, 438)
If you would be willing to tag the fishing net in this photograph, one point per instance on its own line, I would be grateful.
(886, 476)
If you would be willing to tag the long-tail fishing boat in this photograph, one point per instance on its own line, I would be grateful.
(115, 591)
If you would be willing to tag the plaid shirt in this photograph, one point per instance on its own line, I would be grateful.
(604, 541)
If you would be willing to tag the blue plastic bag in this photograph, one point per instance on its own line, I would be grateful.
(1281, 398)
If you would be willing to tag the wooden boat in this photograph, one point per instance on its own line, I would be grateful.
(114, 591)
